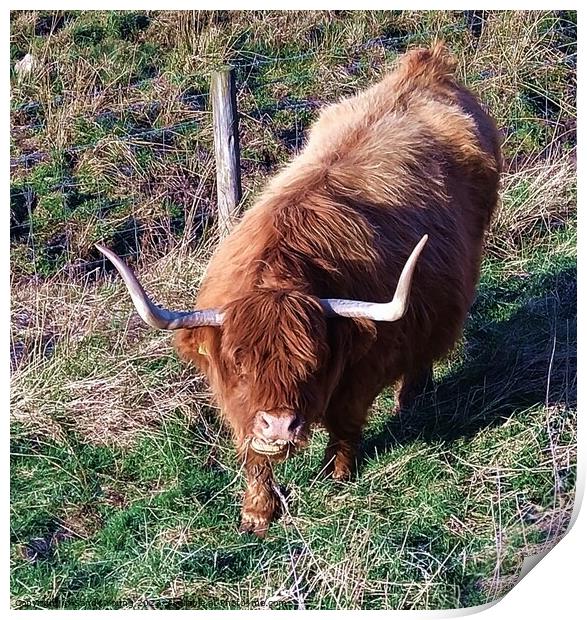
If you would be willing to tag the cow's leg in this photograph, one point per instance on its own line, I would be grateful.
(411, 388)
(344, 420)
(341, 452)
(261, 503)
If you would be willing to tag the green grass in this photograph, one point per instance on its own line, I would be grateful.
(125, 490)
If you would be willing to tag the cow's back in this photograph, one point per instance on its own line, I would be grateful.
(415, 154)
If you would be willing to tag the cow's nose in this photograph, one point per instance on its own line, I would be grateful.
(278, 425)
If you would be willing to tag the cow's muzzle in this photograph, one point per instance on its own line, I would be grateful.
(274, 432)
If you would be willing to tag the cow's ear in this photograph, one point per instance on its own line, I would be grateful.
(195, 345)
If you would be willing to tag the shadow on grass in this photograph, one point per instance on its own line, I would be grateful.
(509, 365)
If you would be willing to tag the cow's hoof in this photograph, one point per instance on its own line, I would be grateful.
(336, 470)
(341, 473)
(253, 524)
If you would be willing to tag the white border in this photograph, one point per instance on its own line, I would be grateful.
(554, 587)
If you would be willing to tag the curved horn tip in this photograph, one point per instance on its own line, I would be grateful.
(418, 248)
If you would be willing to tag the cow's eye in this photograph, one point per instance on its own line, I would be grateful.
(241, 370)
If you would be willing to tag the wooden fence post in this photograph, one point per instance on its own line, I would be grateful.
(226, 147)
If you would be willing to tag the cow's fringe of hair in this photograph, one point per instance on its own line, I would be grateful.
(279, 351)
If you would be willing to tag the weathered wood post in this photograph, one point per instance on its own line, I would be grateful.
(226, 147)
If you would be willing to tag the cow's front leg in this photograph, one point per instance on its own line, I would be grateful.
(345, 418)
(340, 455)
(261, 503)
(344, 422)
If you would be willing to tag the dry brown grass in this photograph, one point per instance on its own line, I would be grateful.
(536, 201)
(68, 343)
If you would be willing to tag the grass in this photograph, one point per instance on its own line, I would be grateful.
(125, 491)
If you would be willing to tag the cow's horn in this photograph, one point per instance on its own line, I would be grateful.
(391, 311)
(152, 314)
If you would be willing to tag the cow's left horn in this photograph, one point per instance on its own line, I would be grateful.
(390, 311)
(152, 314)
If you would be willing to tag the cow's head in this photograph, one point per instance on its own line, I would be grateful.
(269, 362)
(266, 354)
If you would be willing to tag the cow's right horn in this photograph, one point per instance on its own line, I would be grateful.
(154, 316)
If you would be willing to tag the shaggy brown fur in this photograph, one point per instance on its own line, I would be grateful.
(414, 154)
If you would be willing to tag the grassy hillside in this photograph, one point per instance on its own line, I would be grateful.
(125, 489)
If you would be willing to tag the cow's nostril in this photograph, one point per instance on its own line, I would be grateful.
(280, 425)
(294, 423)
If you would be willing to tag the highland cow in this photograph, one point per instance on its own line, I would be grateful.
(390, 198)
